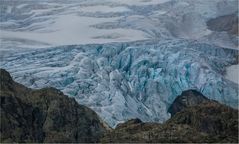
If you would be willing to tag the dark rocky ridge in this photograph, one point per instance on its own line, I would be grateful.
(220, 122)
(195, 119)
(47, 115)
(44, 115)
(228, 23)
(186, 99)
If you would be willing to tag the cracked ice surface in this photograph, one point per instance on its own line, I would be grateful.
(128, 80)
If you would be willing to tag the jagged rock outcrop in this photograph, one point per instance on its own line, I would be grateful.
(205, 115)
(47, 115)
(44, 115)
(228, 23)
(186, 99)
(154, 133)
(196, 119)
(218, 121)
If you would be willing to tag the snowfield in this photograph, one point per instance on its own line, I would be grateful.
(57, 23)
(232, 73)
(122, 58)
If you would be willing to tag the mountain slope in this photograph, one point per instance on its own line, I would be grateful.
(47, 115)
(200, 122)
(44, 115)
(37, 24)
(186, 99)
(228, 23)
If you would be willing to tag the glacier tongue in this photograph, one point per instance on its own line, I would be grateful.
(129, 80)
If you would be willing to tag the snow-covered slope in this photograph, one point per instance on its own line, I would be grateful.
(123, 81)
(123, 58)
(58, 22)
(232, 73)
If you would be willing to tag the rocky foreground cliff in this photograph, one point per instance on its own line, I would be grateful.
(47, 115)
(194, 119)
(44, 115)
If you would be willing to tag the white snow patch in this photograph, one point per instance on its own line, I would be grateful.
(233, 73)
(72, 29)
(105, 9)
(141, 2)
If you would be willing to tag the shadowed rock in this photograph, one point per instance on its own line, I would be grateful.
(217, 120)
(186, 99)
(47, 115)
(44, 115)
(228, 23)
(195, 119)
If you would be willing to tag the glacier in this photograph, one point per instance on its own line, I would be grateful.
(128, 80)
(50, 23)
(122, 58)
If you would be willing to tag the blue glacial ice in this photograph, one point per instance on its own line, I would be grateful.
(128, 80)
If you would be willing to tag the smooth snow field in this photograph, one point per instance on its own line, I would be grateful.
(233, 73)
(71, 29)
(57, 23)
(122, 58)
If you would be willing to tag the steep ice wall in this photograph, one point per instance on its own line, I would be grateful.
(128, 80)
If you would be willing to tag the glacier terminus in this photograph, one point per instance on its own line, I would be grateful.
(124, 59)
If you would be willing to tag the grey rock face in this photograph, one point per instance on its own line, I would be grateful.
(186, 99)
(228, 23)
(44, 115)
(201, 121)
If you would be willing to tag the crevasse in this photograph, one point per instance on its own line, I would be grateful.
(128, 80)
